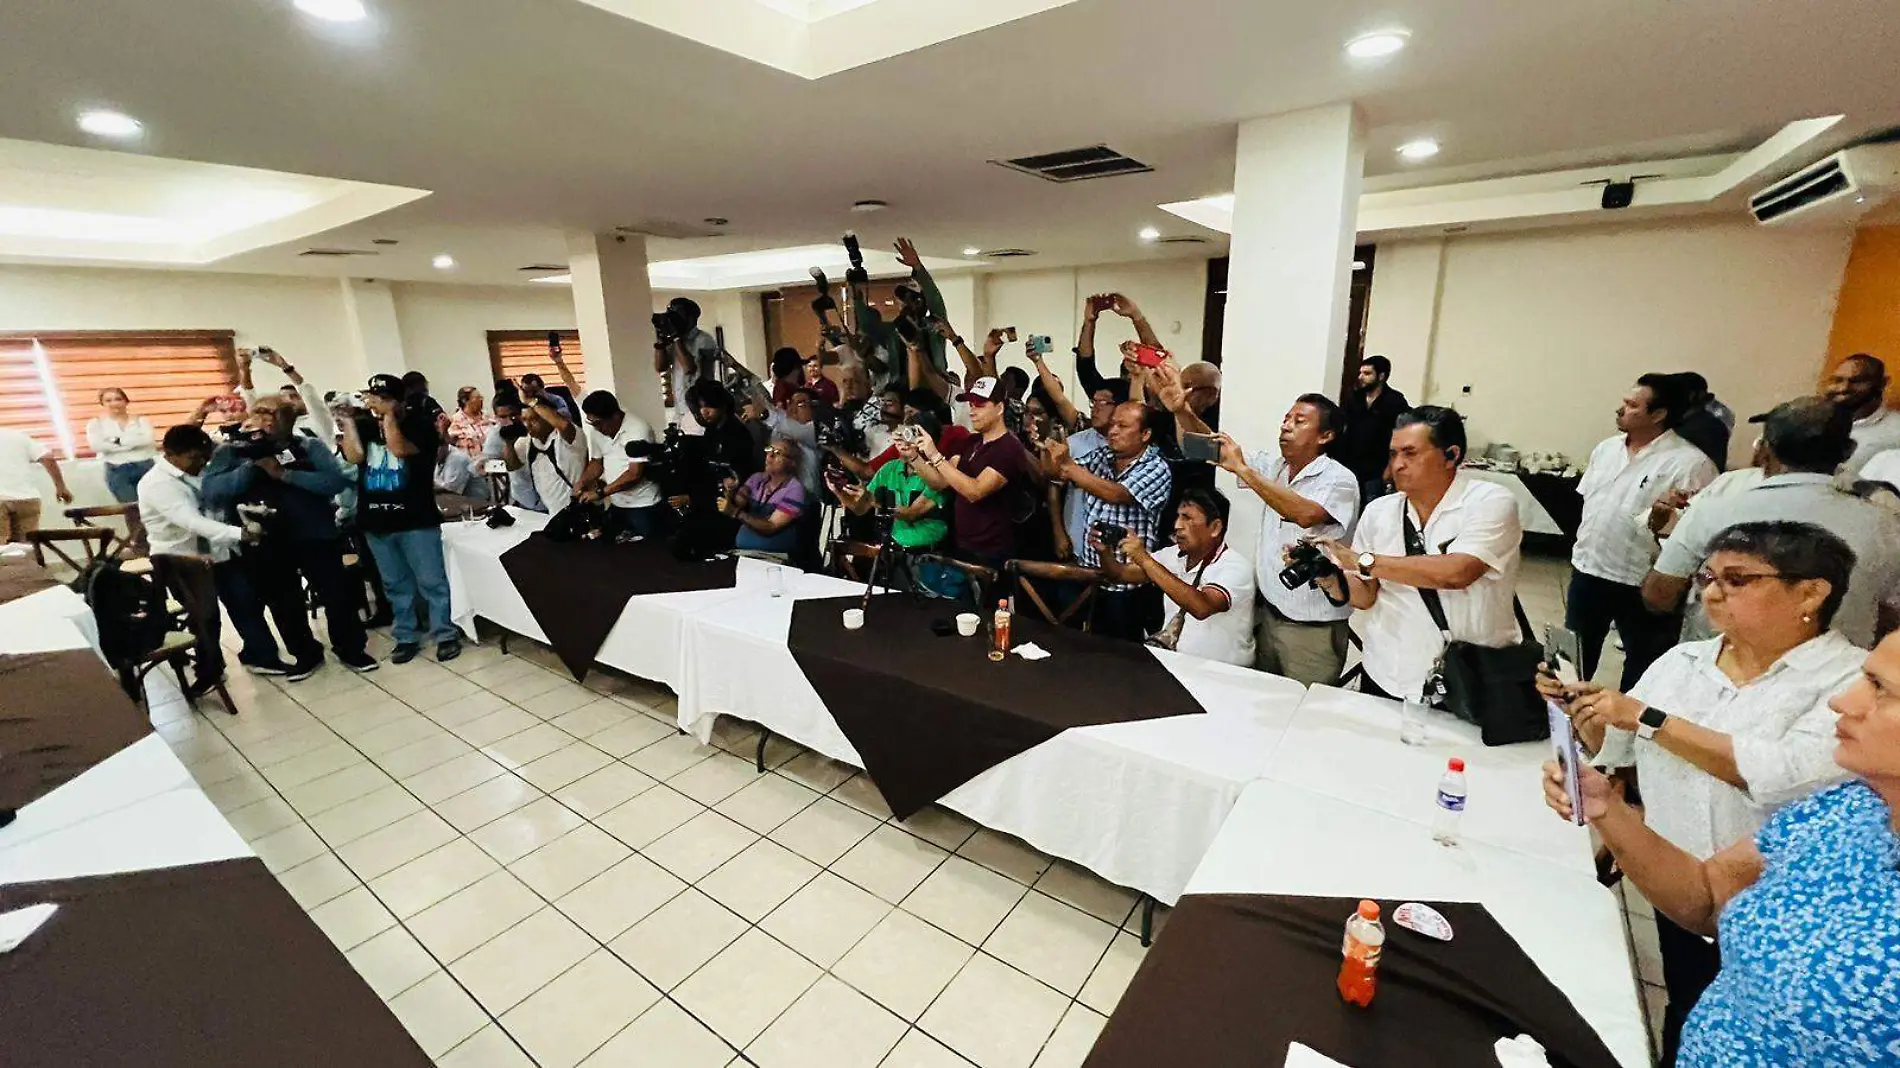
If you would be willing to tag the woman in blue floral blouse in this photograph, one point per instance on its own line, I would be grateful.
(1808, 912)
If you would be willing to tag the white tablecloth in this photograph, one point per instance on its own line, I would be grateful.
(1284, 839)
(646, 642)
(1136, 803)
(1535, 518)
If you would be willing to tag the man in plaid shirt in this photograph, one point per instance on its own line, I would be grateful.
(1127, 483)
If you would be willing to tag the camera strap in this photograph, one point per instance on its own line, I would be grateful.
(553, 461)
(1415, 546)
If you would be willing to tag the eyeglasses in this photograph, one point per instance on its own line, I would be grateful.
(775, 451)
(1737, 580)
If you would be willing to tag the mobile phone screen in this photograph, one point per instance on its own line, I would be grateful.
(1563, 746)
(1561, 653)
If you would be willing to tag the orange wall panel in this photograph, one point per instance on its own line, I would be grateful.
(1867, 317)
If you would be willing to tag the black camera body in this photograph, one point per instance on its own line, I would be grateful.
(1307, 563)
(668, 326)
(1111, 535)
(856, 275)
(838, 427)
(249, 444)
(513, 432)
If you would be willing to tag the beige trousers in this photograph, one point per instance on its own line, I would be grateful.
(1310, 653)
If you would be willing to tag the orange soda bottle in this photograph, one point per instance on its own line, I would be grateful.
(1365, 939)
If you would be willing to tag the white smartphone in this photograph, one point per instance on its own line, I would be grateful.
(1563, 746)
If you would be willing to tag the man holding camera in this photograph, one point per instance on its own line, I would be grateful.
(918, 307)
(507, 431)
(634, 504)
(313, 415)
(1128, 484)
(1309, 496)
(989, 479)
(292, 481)
(1445, 535)
(395, 507)
(1209, 587)
(546, 449)
(684, 353)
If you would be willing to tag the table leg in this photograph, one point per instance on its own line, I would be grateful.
(504, 643)
(1147, 921)
(764, 737)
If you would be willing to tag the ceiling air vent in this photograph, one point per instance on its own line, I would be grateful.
(1005, 253)
(668, 228)
(335, 252)
(541, 268)
(1076, 164)
(1183, 239)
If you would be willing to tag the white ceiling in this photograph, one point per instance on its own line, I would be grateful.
(525, 119)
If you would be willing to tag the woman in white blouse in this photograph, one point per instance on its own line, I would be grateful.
(1724, 731)
(124, 442)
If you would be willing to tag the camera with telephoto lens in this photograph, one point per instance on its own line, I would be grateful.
(250, 444)
(668, 326)
(837, 427)
(824, 302)
(857, 275)
(1307, 563)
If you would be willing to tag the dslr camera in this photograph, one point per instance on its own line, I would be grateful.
(1111, 535)
(668, 327)
(249, 444)
(837, 427)
(1307, 563)
(857, 275)
(513, 432)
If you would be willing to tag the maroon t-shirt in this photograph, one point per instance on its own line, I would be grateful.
(988, 526)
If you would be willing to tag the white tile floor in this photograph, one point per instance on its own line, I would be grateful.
(533, 872)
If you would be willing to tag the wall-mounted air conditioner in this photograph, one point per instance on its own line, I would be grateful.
(1841, 188)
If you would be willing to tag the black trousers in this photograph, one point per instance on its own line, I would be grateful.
(277, 570)
(1689, 965)
(1128, 614)
(1595, 604)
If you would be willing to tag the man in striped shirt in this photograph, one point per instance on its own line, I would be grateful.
(1127, 483)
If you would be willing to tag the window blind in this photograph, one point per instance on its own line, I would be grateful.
(50, 381)
(513, 353)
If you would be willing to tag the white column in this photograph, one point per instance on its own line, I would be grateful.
(613, 305)
(1297, 179)
(375, 339)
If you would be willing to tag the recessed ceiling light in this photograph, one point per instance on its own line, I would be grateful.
(1359, 265)
(110, 124)
(444, 262)
(1149, 233)
(1424, 148)
(972, 251)
(334, 10)
(1376, 45)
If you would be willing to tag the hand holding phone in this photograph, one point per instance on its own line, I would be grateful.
(1150, 356)
(1204, 448)
(1563, 747)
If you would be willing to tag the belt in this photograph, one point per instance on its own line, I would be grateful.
(1284, 618)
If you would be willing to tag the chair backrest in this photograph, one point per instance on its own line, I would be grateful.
(983, 580)
(1030, 572)
(852, 560)
(96, 543)
(129, 610)
(81, 516)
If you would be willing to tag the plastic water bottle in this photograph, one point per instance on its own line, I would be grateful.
(1365, 940)
(1451, 803)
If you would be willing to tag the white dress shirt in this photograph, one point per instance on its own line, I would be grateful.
(1398, 638)
(1613, 540)
(121, 443)
(612, 454)
(20, 457)
(1884, 466)
(175, 523)
(1872, 436)
(1327, 483)
(1224, 636)
(316, 419)
(1782, 730)
(555, 465)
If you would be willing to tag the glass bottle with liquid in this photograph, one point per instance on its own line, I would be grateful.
(999, 631)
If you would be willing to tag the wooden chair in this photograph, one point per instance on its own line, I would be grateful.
(133, 540)
(1028, 573)
(92, 542)
(188, 580)
(851, 560)
(984, 580)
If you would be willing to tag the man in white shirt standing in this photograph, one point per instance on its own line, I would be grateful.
(551, 452)
(1644, 463)
(1301, 633)
(1443, 531)
(1859, 385)
(175, 525)
(19, 491)
(685, 359)
(634, 506)
(1209, 586)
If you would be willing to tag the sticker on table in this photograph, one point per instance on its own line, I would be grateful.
(1423, 919)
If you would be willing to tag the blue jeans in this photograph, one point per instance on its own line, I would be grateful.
(411, 565)
(123, 480)
(650, 522)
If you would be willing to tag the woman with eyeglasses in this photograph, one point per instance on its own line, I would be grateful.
(1725, 731)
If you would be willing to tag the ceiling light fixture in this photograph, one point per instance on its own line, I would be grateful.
(865, 207)
(1424, 148)
(1149, 233)
(444, 262)
(1377, 45)
(110, 124)
(972, 251)
(334, 10)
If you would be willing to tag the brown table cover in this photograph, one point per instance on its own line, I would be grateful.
(1234, 978)
(576, 590)
(202, 966)
(20, 576)
(930, 713)
(60, 713)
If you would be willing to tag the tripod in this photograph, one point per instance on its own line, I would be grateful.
(889, 549)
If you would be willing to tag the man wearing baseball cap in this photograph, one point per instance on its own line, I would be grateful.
(989, 479)
(1806, 440)
(396, 510)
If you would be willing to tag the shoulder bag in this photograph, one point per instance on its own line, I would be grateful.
(1493, 688)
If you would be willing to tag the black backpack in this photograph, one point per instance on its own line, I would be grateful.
(130, 610)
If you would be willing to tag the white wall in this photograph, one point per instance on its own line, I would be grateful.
(445, 328)
(1550, 328)
(1172, 294)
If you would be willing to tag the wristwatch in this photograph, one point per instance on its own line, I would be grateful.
(1365, 565)
(1649, 722)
